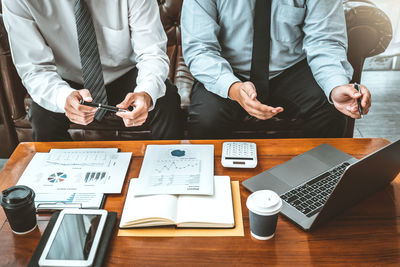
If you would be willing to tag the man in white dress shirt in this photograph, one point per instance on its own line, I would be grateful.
(132, 49)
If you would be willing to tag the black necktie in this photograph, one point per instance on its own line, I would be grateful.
(259, 74)
(92, 72)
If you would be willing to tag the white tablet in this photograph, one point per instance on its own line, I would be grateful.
(74, 238)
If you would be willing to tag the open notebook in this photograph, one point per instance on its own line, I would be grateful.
(197, 211)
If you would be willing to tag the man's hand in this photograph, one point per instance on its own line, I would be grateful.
(76, 112)
(245, 94)
(345, 97)
(141, 102)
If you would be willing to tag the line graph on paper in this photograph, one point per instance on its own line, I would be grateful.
(176, 172)
(187, 166)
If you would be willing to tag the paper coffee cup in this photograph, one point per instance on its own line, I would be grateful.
(264, 207)
(19, 206)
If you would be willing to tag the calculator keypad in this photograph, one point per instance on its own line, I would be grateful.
(240, 150)
(239, 155)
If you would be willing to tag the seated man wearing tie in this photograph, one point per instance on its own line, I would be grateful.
(100, 51)
(256, 59)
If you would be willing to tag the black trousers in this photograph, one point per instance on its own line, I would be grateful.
(165, 120)
(211, 116)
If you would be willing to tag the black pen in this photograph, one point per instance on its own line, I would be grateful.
(102, 106)
(359, 100)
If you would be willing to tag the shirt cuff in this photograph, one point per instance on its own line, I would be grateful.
(333, 82)
(153, 90)
(63, 93)
(224, 82)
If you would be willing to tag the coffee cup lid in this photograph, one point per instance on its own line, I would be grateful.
(17, 196)
(264, 202)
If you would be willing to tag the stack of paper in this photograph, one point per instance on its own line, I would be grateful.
(75, 177)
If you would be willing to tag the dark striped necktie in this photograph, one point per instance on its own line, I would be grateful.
(259, 73)
(92, 72)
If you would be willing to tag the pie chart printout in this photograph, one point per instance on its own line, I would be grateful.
(57, 177)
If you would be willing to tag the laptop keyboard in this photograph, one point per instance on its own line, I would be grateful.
(309, 198)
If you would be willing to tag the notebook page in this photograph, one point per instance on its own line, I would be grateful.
(215, 209)
(144, 207)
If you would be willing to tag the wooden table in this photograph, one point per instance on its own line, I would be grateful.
(366, 234)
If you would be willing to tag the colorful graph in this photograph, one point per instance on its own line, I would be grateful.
(57, 177)
(95, 177)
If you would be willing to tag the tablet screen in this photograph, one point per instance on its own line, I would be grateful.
(74, 237)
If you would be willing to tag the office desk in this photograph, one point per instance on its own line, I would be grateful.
(366, 234)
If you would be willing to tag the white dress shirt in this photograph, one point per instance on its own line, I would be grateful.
(44, 45)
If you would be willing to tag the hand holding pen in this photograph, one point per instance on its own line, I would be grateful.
(102, 106)
(353, 100)
(80, 109)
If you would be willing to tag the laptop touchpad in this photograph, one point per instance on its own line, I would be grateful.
(299, 169)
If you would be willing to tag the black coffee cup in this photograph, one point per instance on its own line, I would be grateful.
(264, 206)
(19, 206)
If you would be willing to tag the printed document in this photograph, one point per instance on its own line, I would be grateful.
(82, 170)
(177, 169)
(61, 200)
(81, 156)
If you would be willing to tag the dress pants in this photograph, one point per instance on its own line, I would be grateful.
(165, 120)
(295, 89)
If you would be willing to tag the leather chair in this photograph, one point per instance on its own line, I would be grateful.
(369, 31)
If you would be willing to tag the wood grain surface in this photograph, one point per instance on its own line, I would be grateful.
(364, 235)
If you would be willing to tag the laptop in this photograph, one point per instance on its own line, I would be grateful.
(324, 181)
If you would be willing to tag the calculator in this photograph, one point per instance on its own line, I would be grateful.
(239, 155)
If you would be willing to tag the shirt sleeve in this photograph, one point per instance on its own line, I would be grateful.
(325, 43)
(149, 43)
(201, 48)
(33, 59)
